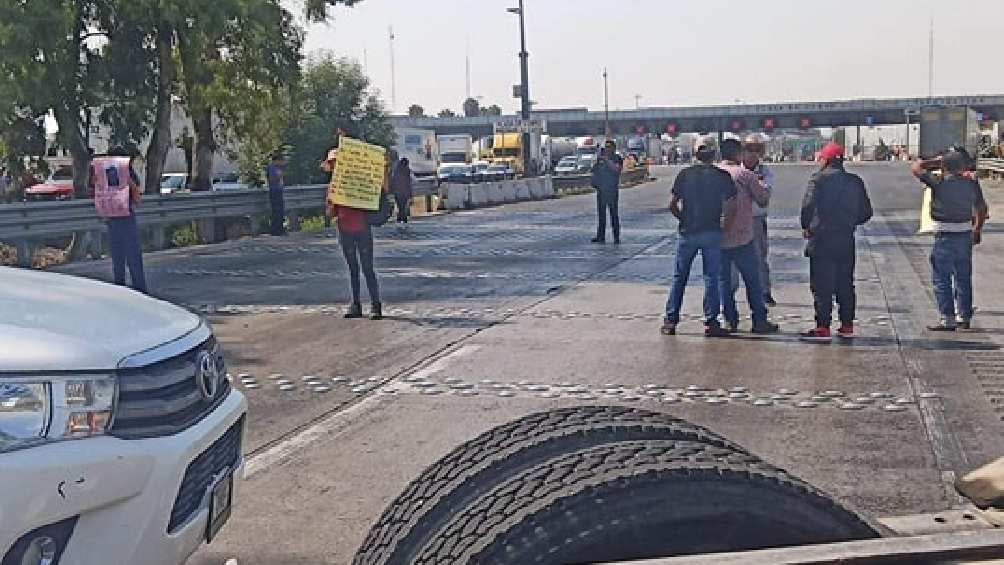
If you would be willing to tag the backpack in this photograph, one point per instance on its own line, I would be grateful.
(111, 186)
(380, 216)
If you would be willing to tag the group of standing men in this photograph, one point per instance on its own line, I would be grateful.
(722, 213)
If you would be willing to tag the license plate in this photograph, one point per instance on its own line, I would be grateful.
(219, 504)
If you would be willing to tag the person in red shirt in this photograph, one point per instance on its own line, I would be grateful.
(356, 239)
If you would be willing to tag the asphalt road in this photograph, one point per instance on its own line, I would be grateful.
(499, 312)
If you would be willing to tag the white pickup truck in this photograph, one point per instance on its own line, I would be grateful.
(120, 435)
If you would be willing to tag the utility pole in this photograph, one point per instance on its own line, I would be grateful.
(606, 105)
(524, 85)
(930, 62)
(637, 101)
(468, 62)
(393, 77)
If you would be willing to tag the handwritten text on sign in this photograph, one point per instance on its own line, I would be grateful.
(358, 178)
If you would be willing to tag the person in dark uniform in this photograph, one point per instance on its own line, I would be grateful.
(835, 204)
(401, 187)
(606, 180)
(274, 176)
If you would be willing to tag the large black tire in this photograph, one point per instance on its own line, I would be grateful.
(496, 456)
(638, 500)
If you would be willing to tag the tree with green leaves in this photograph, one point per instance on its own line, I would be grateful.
(493, 110)
(447, 113)
(333, 96)
(416, 111)
(472, 108)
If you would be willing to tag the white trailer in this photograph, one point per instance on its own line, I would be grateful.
(420, 148)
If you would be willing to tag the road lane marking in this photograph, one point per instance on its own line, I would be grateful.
(289, 447)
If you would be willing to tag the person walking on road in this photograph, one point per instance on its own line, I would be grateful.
(700, 196)
(356, 239)
(123, 232)
(835, 203)
(737, 242)
(606, 180)
(959, 210)
(276, 185)
(401, 186)
(753, 152)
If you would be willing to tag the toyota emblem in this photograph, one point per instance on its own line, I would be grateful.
(209, 370)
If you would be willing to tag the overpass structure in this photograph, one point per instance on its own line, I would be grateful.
(705, 119)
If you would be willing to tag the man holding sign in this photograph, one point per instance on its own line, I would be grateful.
(358, 181)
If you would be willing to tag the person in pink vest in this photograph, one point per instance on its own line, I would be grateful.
(116, 189)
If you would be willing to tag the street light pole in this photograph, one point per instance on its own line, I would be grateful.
(524, 86)
(606, 105)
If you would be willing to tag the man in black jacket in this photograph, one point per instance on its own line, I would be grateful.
(958, 210)
(835, 203)
(606, 180)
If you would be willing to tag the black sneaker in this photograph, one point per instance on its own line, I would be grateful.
(598, 240)
(715, 331)
(732, 327)
(355, 311)
(766, 328)
(941, 327)
(376, 311)
(769, 300)
(964, 324)
(668, 328)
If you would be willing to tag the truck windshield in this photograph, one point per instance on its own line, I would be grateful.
(499, 152)
(453, 158)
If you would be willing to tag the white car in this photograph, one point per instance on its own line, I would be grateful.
(229, 181)
(173, 182)
(567, 166)
(120, 434)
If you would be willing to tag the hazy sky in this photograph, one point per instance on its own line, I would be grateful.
(670, 52)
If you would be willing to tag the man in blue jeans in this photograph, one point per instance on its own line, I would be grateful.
(958, 209)
(701, 194)
(738, 247)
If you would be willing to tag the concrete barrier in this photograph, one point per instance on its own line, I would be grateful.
(508, 189)
(495, 193)
(478, 195)
(523, 190)
(458, 196)
(547, 187)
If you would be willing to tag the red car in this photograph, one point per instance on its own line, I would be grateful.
(59, 186)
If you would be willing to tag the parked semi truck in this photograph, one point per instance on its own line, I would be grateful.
(455, 148)
(943, 127)
(508, 148)
(420, 148)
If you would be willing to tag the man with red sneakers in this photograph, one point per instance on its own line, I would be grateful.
(835, 203)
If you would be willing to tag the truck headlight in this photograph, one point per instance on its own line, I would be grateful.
(53, 408)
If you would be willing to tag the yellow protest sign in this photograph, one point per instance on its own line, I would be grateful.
(358, 178)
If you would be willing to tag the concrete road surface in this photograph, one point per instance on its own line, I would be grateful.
(500, 312)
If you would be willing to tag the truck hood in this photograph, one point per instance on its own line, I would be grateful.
(52, 322)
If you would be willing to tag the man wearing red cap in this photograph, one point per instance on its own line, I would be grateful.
(835, 203)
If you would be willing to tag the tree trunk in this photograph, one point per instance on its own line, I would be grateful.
(160, 143)
(205, 149)
(68, 118)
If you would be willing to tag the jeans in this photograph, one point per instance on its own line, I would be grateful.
(403, 207)
(607, 200)
(952, 258)
(761, 241)
(123, 240)
(278, 205)
(709, 243)
(831, 274)
(358, 250)
(745, 258)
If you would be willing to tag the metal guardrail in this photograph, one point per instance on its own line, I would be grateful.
(992, 165)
